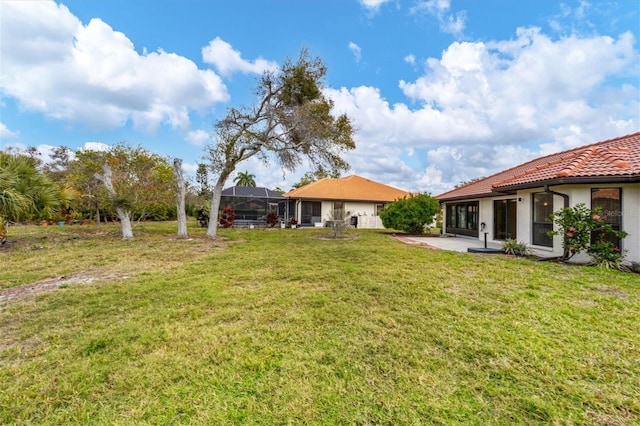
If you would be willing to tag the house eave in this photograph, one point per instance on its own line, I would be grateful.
(475, 196)
(569, 181)
(512, 189)
(351, 200)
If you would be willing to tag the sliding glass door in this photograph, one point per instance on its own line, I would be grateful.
(504, 219)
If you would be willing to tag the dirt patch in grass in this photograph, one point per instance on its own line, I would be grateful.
(612, 292)
(7, 244)
(408, 240)
(336, 237)
(32, 289)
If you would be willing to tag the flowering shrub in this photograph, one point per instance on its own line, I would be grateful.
(577, 225)
(227, 218)
(272, 219)
(605, 255)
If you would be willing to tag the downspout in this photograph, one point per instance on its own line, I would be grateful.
(564, 196)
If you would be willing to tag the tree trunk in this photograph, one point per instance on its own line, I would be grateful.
(180, 196)
(125, 223)
(212, 230)
(125, 220)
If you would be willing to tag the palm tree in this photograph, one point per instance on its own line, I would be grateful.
(26, 192)
(245, 179)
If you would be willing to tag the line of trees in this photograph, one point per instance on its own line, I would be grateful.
(291, 121)
(125, 183)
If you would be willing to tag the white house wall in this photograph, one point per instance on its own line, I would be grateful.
(364, 210)
(577, 194)
(631, 220)
(485, 215)
(582, 194)
(524, 227)
(630, 212)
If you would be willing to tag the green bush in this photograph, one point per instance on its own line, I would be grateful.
(515, 247)
(410, 214)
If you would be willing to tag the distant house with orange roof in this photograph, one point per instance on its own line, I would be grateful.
(317, 202)
(516, 203)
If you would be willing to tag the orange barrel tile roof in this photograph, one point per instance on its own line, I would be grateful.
(615, 159)
(349, 188)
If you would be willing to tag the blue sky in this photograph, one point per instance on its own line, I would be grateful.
(440, 91)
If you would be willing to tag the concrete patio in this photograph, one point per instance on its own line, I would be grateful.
(460, 244)
(463, 244)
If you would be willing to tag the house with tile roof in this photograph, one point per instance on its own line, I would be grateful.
(517, 203)
(317, 202)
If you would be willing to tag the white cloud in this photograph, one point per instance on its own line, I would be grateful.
(93, 75)
(410, 59)
(454, 24)
(435, 7)
(356, 50)
(6, 133)
(450, 165)
(190, 169)
(570, 20)
(95, 146)
(42, 151)
(377, 120)
(373, 5)
(449, 23)
(479, 103)
(46, 152)
(430, 180)
(526, 86)
(198, 137)
(227, 61)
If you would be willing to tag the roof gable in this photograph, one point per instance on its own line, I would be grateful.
(617, 158)
(352, 188)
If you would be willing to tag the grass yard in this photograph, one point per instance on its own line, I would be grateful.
(277, 327)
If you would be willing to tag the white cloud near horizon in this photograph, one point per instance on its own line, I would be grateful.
(95, 146)
(92, 74)
(198, 137)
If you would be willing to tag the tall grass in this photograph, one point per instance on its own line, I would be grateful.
(279, 327)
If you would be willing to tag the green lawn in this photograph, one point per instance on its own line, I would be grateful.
(276, 327)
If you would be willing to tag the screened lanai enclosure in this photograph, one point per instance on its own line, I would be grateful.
(252, 205)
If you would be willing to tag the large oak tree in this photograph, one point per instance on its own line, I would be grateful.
(292, 121)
